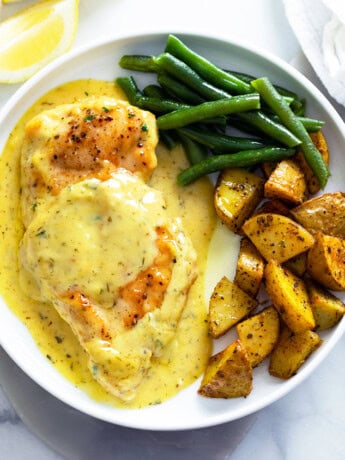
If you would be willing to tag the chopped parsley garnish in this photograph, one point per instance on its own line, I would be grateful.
(144, 128)
(106, 110)
(89, 118)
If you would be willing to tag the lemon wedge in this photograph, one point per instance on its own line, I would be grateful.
(35, 36)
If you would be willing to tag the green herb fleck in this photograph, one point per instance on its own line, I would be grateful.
(106, 110)
(144, 128)
(89, 118)
(131, 114)
(86, 93)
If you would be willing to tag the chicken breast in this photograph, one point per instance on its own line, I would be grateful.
(91, 138)
(102, 248)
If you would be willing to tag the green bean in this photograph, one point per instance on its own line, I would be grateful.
(157, 105)
(270, 127)
(289, 119)
(186, 116)
(154, 104)
(242, 159)
(221, 143)
(154, 91)
(179, 90)
(205, 68)
(129, 87)
(311, 124)
(195, 152)
(138, 63)
(249, 78)
(168, 138)
(180, 70)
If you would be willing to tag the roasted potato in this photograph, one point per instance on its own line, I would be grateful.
(237, 194)
(228, 374)
(268, 168)
(273, 206)
(325, 214)
(291, 351)
(228, 305)
(287, 183)
(326, 261)
(259, 333)
(298, 264)
(320, 143)
(289, 295)
(250, 268)
(277, 237)
(327, 308)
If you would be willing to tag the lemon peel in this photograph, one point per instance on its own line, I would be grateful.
(35, 36)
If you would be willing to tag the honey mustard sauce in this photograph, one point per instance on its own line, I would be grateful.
(184, 359)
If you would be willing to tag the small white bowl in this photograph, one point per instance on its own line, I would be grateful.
(187, 410)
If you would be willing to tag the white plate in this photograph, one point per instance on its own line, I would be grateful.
(187, 410)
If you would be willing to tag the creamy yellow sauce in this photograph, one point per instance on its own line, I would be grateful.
(185, 358)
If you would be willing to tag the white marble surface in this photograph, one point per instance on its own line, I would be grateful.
(308, 423)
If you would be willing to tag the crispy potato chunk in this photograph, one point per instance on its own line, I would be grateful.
(325, 214)
(291, 352)
(273, 206)
(277, 237)
(237, 194)
(228, 305)
(228, 374)
(287, 183)
(320, 143)
(327, 308)
(326, 261)
(298, 264)
(289, 295)
(250, 268)
(259, 334)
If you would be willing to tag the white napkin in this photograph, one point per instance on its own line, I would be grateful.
(319, 26)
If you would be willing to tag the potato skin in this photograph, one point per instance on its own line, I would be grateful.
(250, 268)
(287, 183)
(325, 214)
(327, 308)
(326, 262)
(277, 237)
(228, 305)
(291, 352)
(321, 144)
(259, 334)
(237, 194)
(289, 295)
(228, 374)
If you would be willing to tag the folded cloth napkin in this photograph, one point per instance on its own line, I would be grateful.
(319, 26)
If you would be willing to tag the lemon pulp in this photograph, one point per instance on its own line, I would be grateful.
(35, 36)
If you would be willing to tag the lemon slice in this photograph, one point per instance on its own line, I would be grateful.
(35, 36)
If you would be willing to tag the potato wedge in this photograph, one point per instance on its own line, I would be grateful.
(298, 264)
(327, 308)
(228, 374)
(289, 295)
(237, 194)
(291, 352)
(287, 183)
(259, 333)
(250, 268)
(326, 261)
(228, 305)
(320, 143)
(277, 237)
(325, 214)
